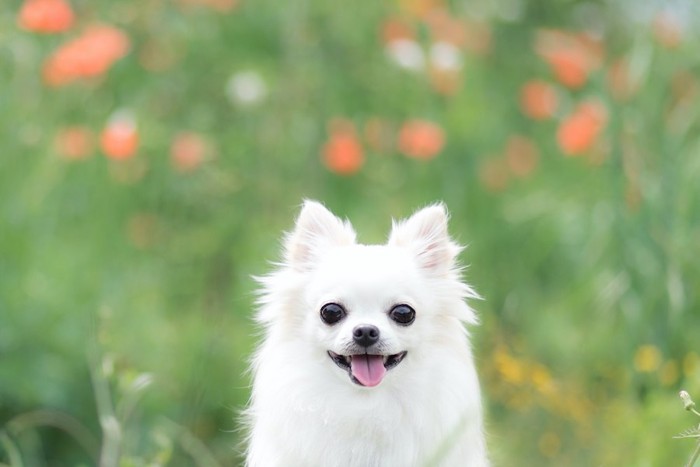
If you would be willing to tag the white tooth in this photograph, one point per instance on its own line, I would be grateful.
(386, 357)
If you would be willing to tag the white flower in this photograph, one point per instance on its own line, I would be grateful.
(406, 54)
(246, 88)
(445, 56)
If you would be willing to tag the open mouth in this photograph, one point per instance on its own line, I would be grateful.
(366, 369)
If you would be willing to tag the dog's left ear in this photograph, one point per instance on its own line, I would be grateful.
(425, 233)
(316, 229)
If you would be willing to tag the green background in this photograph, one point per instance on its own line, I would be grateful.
(133, 294)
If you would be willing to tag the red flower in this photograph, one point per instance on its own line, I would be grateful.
(421, 139)
(89, 55)
(580, 131)
(74, 142)
(572, 57)
(119, 139)
(538, 100)
(343, 153)
(46, 16)
(188, 151)
(667, 30)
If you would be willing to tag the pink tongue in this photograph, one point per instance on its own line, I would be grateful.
(368, 369)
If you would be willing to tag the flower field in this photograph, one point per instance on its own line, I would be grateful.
(153, 151)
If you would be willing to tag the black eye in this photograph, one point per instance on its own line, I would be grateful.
(403, 314)
(331, 313)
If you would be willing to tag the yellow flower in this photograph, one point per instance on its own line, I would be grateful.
(669, 373)
(647, 359)
(690, 363)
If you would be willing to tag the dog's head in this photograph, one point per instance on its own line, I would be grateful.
(369, 308)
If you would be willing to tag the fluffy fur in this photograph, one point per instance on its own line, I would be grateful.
(306, 410)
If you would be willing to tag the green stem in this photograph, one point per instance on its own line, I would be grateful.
(12, 450)
(695, 455)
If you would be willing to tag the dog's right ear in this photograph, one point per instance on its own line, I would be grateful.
(316, 229)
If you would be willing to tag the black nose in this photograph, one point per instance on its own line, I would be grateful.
(365, 335)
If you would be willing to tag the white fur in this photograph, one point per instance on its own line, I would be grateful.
(305, 411)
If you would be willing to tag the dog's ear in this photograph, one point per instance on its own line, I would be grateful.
(316, 229)
(425, 233)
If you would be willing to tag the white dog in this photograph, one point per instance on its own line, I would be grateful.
(365, 359)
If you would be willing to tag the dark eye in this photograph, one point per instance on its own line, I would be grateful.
(403, 314)
(331, 313)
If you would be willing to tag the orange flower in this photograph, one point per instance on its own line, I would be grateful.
(89, 55)
(580, 131)
(473, 36)
(421, 139)
(538, 100)
(343, 153)
(119, 139)
(395, 30)
(521, 155)
(620, 81)
(188, 151)
(667, 30)
(46, 16)
(420, 8)
(572, 57)
(74, 142)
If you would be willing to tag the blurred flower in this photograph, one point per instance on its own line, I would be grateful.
(446, 28)
(691, 364)
(445, 56)
(521, 155)
(579, 131)
(46, 16)
(478, 38)
(494, 174)
(620, 81)
(407, 54)
(667, 29)
(395, 29)
(420, 8)
(647, 359)
(421, 139)
(223, 6)
(74, 143)
(572, 57)
(342, 153)
(89, 55)
(188, 150)
(446, 65)
(446, 82)
(119, 139)
(473, 36)
(538, 100)
(246, 88)
(669, 373)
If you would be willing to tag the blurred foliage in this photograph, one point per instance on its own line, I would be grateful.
(152, 151)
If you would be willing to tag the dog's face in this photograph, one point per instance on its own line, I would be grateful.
(368, 309)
